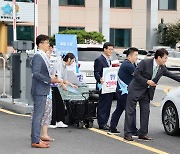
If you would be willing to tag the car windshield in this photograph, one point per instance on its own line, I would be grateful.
(90, 54)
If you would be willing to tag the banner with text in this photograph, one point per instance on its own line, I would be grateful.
(66, 43)
(110, 79)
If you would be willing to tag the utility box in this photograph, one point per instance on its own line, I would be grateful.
(21, 74)
(15, 75)
(23, 45)
(21, 77)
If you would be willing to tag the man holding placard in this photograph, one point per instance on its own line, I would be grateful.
(105, 100)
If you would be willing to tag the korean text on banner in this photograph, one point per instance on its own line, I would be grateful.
(66, 43)
(110, 79)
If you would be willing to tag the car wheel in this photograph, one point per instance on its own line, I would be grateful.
(170, 119)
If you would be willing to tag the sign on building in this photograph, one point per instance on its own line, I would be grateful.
(24, 11)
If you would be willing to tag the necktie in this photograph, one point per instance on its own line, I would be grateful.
(109, 62)
(155, 70)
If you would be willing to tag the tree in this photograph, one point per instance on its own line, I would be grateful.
(172, 34)
(83, 37)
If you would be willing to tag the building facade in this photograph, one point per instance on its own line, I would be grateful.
(123, 22)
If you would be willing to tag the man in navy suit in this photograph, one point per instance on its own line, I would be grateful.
(40, 88)
(105, 100)
(125, 75)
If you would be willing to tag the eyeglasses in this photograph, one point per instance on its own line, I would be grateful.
(47, 42)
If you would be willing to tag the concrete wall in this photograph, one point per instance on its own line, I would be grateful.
(134, 19)
(87, 16)
(170, 16)
(43, 17)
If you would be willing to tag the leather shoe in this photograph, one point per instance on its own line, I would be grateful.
(105, 127)
(135, 134)
(39, 145)
(144, 138)
(128, 138)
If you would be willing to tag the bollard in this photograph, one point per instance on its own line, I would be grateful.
(3, 95)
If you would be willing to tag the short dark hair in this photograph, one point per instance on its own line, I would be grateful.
(160, 52)
(41, 38)
(50, 45)
(107, 44)
(68, 55)
(131, 50)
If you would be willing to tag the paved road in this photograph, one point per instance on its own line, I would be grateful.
(15, 135)
(15, 138)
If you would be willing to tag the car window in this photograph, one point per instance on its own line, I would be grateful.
(90, 54)
(125, 52)
(177, 54)
(170, 54)
(114, 56)
(141, 52)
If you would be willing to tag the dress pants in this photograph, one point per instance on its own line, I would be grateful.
(104, 108)
(121, 105)
(144, 104)
(58, 108)
(39, 108)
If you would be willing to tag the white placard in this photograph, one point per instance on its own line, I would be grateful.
(110, 79)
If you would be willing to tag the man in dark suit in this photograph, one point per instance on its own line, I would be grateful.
(125, 76)
(105, 100)
(142, 88)
(40, 88)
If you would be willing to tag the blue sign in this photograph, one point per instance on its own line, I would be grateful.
(66, 43)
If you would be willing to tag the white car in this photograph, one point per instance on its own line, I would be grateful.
(173, 62)
(87, 53)
(170, 112)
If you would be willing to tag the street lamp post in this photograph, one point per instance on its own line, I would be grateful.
(14, 21)
(35, 23)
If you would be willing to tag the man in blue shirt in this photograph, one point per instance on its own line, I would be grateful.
(125, 75)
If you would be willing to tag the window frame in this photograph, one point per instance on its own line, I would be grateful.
(17, 1)
(167, 8)
(115, 7)
(83, 28)
(130, 41)
(73, 5)
(17, 27)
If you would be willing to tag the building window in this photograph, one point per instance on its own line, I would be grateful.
(120, 37)
(22, 1)
(68, 28)
(23, 33)
(167, 4)
(72, 2)
(121, 3)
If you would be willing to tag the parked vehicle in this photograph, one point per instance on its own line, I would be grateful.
(142, 54)
(170, 112)
(86, 56)
(173, 62)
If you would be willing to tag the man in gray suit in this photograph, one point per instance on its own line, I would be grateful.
(40, 88)
(142, 88)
